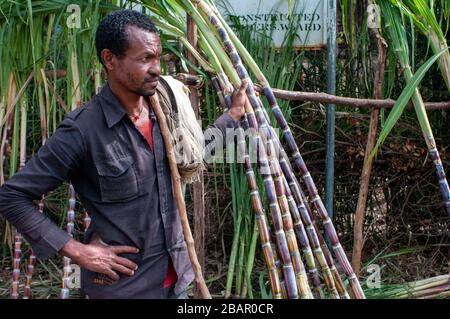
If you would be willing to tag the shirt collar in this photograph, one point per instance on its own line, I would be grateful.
(112, 109)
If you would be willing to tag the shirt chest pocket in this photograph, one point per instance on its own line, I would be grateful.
(117, 179)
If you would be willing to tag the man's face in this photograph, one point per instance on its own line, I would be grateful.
(138, 70)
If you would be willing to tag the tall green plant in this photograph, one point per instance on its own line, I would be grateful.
(397, 36)
(422, 13)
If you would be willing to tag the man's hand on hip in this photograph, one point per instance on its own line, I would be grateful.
(100, 257)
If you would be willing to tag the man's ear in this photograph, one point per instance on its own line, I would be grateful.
(108, 59)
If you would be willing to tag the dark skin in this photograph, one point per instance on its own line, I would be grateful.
(132, 78)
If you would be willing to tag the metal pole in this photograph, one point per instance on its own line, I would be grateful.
(331, 109)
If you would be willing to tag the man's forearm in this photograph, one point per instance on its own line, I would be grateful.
(45, 236)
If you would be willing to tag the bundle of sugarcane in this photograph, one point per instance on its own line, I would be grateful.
(430, 288)
(294, 224)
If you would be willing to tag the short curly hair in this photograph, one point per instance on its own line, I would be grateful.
(112, 34)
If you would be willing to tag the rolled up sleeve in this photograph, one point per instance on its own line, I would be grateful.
(61, 155)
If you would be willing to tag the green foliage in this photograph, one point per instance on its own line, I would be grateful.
(38, 39)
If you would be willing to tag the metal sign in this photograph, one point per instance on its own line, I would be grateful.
(271, 17)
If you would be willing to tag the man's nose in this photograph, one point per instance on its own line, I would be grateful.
(155, 69)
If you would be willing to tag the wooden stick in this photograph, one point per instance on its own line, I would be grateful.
(348, 101)
(192, 80)
(358, 240)
(176, 186)
(198, 187)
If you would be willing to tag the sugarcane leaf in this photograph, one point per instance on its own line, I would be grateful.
(403, 100)
(423, 14)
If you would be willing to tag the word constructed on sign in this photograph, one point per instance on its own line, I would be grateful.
(308, 17)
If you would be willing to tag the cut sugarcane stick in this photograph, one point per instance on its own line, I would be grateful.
(179, 198)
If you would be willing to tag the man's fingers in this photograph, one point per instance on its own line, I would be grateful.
(124, 249)
(244, 85)
(122, 269)
(112, 274)
(241, 90)
(125, 262)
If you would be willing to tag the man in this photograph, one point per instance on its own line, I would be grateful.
(111, 150)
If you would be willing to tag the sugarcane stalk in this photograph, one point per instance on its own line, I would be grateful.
(397, 33)
(339, 284)
(47, 107)
(32, 259)
(214, 44)
(426, 288)
(207, 41)
(304, 221)
(329, 272)
(16, 265)
(9, 119)
(304, 243)
(228, 44)
(323, 256)
(75, 97)
(22, 159)
(18, 239)
(297, 205)
(283, 201)
(41, 103)
(178, 193)
(67, 269)
(268, 251)
(288, 225)
(284, 293)
(12, 103)
(285, 237)
(431, 144)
